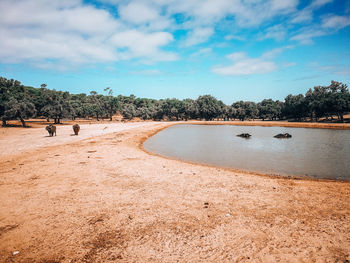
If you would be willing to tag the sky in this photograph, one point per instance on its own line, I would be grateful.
(232, 49)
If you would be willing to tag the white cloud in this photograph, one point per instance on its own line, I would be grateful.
(198, 35)
(138, 13)
(275, 52)
(144, 45)
(336, 22)
(302, 16)
(230, 37)
(277, 32)
(306, 15)
(306, 36)
(46, 33)
(243, 65)
(284, 5)
(202, 52)
(319, 3)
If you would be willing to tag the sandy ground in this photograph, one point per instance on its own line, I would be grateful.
(98, 197)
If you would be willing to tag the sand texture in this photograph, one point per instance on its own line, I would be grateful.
(98, 197)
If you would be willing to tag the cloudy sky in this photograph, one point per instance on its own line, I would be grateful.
(232, 49)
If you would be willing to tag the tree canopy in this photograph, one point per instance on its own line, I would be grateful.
(21, 102)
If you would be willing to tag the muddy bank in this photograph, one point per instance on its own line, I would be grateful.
(103, 199)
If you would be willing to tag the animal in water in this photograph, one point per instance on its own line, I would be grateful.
(244, 135)
(76, 129)
(51, 129)
(283, 136)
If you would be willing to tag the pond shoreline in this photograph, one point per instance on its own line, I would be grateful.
(235, 170)
(311, 125)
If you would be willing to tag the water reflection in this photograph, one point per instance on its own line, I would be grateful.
(320, 153)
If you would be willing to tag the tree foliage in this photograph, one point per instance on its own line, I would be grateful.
(20, 102)
(15, 101)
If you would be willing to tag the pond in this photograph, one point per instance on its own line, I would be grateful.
(318, 153)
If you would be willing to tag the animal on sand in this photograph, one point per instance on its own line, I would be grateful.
(51, 129)
(76, 129)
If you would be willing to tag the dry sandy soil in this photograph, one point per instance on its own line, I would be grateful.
(98, 197)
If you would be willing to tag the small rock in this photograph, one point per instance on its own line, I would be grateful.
(228, 215)
(15, 253)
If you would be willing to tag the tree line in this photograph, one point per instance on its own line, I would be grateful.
(21, 102)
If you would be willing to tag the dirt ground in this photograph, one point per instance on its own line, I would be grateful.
(98, 197)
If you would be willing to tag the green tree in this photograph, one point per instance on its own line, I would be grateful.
(295, 107)
(20, 109)
(209, 107)
(110, 103)
(128, 111)
(316, 101)
(245, 110)
(339, 99)
(15, 101)
(96, 106)
(191, 109)
(269, 109)
(58, 105)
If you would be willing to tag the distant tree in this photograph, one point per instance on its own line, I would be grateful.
(232, 112)
(316, 101)
(20, 109)
(15, 101)
(96, 106)
(245, 110)
(58, 105)
(172, 108)
(110, 103)
(339, 99)
(128, 111)
(209, 107)
(240, 110)
(145, 113)
(191, 109)
(157, 110)
(269, 109)
(295, 107)
(109, 91)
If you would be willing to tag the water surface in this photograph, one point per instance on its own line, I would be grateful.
(319, 153)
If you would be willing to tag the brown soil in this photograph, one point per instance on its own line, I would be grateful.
(97, 197)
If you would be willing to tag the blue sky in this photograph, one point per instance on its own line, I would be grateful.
(232, 49)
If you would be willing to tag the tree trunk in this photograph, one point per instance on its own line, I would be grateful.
(4, 124)
(341, 117)
(48, 119)
(23, 122)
